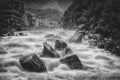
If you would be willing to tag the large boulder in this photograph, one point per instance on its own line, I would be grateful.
(48, 51)
(60, 45)
(72, 61)
(32, 63)
(77, 37)
(2, 51)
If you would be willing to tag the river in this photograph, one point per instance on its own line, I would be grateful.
(97, 63)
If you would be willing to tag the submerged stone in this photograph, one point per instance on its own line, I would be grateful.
(72, 61)
(60, 45)
(48, 51)
(77, 37)
(32, 63)
(68, 50)
(65, 52)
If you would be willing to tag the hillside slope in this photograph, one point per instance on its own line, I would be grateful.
(98, 17)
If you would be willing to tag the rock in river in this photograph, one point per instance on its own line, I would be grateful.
(77, 37)
(72, 61)
(48, 51)
(32, 63)
(60, 45)
(68, 50)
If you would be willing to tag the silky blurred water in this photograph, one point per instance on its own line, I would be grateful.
(97, 63)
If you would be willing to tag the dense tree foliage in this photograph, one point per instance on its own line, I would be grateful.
(48, 13)
(99, 17)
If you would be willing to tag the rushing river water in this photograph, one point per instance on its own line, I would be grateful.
(97, 63)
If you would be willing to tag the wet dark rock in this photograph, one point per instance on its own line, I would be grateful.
(77, 37)
(60, 45)
(68, 51)
(21, 34)
(2, 51)
(72, 61)
(48, 51)
(32, 63)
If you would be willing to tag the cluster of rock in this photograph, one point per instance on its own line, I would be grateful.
(62, 46)
(33, 63)
(48, 51)
(101, 22)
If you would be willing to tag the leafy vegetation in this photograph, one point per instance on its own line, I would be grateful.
(49, 13)
(99, 17)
